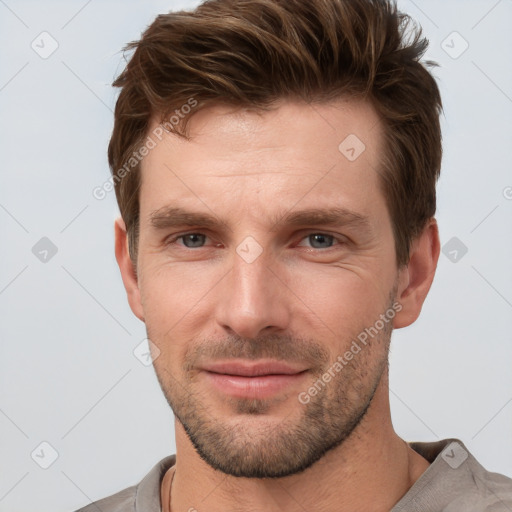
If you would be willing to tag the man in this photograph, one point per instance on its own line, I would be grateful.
(275, 164)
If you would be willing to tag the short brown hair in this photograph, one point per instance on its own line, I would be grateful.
(252, 53)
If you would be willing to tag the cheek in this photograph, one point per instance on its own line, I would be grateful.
(343, 299)
(174, 298)
(168, 297)
(170, 290)
(342, 306)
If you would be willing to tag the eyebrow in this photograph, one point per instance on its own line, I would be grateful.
(326, 217)
(171, 217)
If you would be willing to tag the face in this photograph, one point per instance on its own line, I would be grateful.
(266, 257)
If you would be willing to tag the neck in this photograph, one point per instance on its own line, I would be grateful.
(371, 470)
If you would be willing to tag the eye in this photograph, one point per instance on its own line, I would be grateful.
(318, 241)
(192, 240)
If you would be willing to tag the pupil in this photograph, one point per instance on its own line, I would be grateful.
(320, 241)
(194, 240)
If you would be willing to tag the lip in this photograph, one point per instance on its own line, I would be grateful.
(253, 380)
(253, 369)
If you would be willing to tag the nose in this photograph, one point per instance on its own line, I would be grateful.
(252, 299)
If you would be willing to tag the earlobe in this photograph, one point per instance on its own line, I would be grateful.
(127, 269)
(415, 279)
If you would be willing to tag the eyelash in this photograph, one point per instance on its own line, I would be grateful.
(337, 240)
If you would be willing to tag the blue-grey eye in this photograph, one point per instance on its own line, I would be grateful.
(320, 241)
(193, 240)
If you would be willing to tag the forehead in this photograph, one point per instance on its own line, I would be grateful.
(264, 160)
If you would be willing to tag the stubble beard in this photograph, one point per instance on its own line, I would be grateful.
(253, 445)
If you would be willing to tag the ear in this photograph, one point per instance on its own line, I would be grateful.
(128, 271)
(415, 279)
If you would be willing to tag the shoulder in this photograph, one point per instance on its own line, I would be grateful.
(143, 497)
(455, 481)
(123, 501)
(488, 491)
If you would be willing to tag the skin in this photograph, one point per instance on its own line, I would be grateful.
(304, 300)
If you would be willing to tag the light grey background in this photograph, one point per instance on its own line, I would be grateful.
(68, 373)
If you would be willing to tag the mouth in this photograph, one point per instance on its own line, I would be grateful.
(253, 380)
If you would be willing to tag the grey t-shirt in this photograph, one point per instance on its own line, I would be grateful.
(454, 482)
